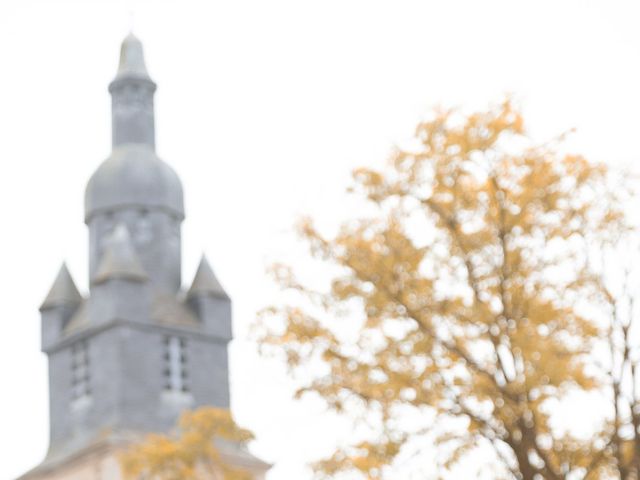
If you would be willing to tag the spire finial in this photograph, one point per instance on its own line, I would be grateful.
(132, 18)
(131, 4)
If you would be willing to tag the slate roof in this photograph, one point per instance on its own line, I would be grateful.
(63, 291)
(205, 282)
(134, 176)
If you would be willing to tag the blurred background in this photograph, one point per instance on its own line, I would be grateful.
(263, 109)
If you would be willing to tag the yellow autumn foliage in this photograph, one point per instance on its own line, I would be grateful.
(466, 288)
(191, 454)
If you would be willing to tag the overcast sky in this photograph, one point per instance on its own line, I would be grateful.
(264, 108)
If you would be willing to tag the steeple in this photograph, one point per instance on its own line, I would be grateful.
(205, 282)
(119, 259)
(133, 185)
(63, 291)
(132, 97)
(126, 358)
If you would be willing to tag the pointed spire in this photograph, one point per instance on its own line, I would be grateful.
(205, 282)
(132, 97)
(132, 59)
(119, 259)
(63, 291)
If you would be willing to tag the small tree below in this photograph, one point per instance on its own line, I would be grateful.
(191, 454)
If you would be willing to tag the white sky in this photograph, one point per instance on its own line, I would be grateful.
(263, 108)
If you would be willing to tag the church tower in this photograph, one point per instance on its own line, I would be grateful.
(130, 356)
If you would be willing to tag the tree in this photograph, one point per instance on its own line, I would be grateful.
(192, 454)
(467, 293)
(618, 282)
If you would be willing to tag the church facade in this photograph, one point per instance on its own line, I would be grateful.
(130, 356)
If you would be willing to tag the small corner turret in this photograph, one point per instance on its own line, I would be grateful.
(59, 306)
(210, 302)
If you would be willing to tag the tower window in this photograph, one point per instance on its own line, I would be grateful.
(80, 380)
(175, 360)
